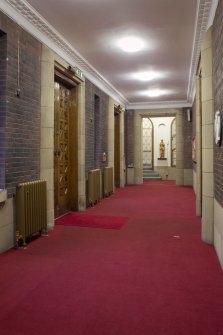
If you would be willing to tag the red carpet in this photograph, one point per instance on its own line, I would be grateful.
(152, 277)
(91, 221)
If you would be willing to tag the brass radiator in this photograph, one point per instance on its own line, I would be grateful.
(31, 209)
(108, 181)
(94, 186)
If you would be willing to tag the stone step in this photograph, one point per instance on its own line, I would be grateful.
(144, 177)
(151, 178)
(149, 174)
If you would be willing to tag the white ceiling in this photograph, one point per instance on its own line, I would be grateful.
(170, 29)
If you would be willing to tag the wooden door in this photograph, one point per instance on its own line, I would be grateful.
(65, 149)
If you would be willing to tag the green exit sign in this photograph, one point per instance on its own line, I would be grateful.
(79, 73)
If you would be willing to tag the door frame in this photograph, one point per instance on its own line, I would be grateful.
(67, 78)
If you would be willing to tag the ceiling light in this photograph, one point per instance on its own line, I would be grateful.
(131, 44)
(146, 76)
(154, 93)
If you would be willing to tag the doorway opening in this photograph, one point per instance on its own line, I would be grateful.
(65, 146)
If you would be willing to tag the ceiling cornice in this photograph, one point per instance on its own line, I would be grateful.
(205, 9)
(159, 105)
(29, 19)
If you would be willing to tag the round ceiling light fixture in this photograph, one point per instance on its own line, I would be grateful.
(146, 76)
(131, 44)
(155, 93)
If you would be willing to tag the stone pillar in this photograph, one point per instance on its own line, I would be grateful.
(207, 139)
(47, 129)
(179, 149)
(81, 148)
(138, 166)
(198, 146)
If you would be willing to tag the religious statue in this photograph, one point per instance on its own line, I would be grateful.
(162, 149)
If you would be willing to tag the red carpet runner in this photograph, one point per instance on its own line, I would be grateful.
(152, 277)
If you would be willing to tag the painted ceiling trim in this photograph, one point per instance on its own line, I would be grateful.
(204, 8)
(161, 105)
(28, 18)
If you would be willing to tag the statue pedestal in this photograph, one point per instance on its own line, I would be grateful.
(162, 162)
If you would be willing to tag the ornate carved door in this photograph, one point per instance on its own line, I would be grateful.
(61, 148)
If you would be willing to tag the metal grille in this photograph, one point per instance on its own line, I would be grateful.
(108, 181)
(94, 186)
(31, 208)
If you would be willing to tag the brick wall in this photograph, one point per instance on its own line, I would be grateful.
(96, 126)
(22, 114)
(187, 133)
(194, 127)
(3, 66)
(217, 41)
(129, 135)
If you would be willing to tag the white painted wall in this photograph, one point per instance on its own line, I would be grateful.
(162, 130)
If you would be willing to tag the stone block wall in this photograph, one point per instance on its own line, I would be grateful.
(129, 135)
(3, 70)
(21, 149)
(96, 126)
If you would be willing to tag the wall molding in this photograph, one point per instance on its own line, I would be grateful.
(204, 10)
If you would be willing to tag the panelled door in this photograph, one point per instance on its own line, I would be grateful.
(65, 149)
(61, 149)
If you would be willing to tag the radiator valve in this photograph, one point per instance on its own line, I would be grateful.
(19, 240)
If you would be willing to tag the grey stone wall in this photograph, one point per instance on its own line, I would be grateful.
(21, 115)
(96, 126)
(3, 69)
(129, 137)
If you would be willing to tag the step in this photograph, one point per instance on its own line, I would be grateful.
(149, 173)
(151, 178)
